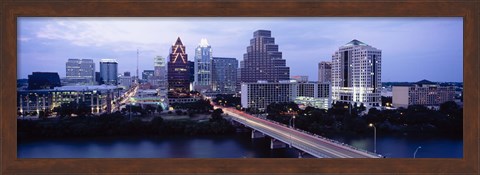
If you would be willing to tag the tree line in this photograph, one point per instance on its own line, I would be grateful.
(346, 118)
(119, 124)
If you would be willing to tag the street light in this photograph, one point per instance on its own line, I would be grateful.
(290, 122)
(415, 153)
(374, 137)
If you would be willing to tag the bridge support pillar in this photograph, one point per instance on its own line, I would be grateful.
(257, 134)
(274, 143)
(300, 154)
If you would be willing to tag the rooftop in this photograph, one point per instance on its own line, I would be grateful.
(81, 88)
(355, 42)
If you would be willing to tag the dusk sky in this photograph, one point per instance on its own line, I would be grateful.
(412, 48)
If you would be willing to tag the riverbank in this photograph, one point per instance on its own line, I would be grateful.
(119, 125)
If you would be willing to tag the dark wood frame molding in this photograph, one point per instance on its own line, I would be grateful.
(10, 10)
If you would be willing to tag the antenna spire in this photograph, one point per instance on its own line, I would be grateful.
(137, 65)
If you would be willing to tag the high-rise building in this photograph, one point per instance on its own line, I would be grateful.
(203, 67)
(147, 74)
(178, 68)
(98, 78)
(43, 80)
(160, 74)
(109, 71)
(126, 74)
(263, 61)
(422, 93)
(300, 78)
(325, 71)
(356, 74)
(224, 75)
(80, 71)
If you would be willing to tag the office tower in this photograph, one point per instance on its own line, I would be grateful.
(80, 71)
(43, 80)
(147, 74)
(261, 94)
(263, 61)
(325, 71)
(98, 78)
(422, 93)
(224, 75)
(126, 74)
(108, 71)
(178, 68)
(160, 74)
(300, 78)
(203, 67)
(356, 74)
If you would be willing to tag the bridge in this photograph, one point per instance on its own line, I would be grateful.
(282, 136)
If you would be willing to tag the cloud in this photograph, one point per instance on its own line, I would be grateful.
(302, 40)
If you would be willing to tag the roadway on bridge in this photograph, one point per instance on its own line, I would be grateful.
(316, 146)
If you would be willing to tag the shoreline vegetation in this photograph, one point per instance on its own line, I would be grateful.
(116, 124)
(199, 118)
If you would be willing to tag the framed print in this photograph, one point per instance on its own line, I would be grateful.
(246, 87)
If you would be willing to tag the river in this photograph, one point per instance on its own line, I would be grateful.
(238, 145)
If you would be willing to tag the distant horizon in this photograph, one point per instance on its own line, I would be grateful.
(413, 49)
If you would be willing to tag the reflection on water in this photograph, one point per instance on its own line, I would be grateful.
(239, 145)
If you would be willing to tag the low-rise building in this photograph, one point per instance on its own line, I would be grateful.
(99, 98)
(422, 93)
(259, 95)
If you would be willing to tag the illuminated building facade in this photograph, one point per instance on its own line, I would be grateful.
(203, 67)
(178, 68)
(356, 74)
(99, 98)
(160, 68)
(263, 61)
(80, 71)
(259, 95)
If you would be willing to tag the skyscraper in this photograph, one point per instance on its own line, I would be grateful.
(203, 67)
(109, 71)
(80, 71)
(325, 71)
(356, 74)
(160, 74)
(263, 61)
(178, 74)
(224, 75)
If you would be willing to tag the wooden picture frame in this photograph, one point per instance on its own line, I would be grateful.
(10, 10)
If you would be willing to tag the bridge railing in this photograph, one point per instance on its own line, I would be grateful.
(279, 137)
(321, 137)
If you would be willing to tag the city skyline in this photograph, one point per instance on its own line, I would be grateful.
(419, 48)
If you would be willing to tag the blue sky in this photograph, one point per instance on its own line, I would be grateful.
(412, 48)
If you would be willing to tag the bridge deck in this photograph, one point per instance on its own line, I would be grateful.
(316, 146)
